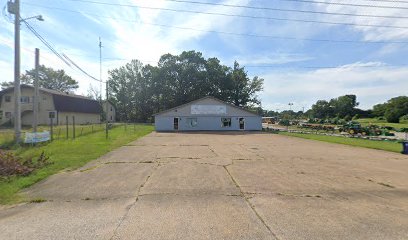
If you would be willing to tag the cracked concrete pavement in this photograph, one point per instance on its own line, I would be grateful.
(221, 186)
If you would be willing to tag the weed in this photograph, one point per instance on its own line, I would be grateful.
(37, 200)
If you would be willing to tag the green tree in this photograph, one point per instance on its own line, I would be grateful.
(51, 79)
(5, 85)
(344, 105)
(141, 91)
(322, 109)
(379, 110)
(396, 108)
(127, 88)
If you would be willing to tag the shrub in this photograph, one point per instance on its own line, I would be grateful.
(404, 118)
(284, 122)
(392, 116)
(357, 116)
(347, 118)
(10, 164)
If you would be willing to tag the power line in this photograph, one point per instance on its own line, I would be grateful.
(62, 56)
(343, 4)
(238, 15)
(325, 67)
(220, 32)
(287, 10)
(387, 1)
(46, 43)
(80, 69)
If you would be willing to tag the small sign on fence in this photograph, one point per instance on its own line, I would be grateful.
(37, 137)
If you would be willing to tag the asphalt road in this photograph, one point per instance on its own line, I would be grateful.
(221, 186)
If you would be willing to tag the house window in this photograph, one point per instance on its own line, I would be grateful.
(1, 114)
(111, 118)
(7, 115)
(111, 109)
(7, 98)
(25, 99)
(192, 122)
(226, 122)
(51, 114)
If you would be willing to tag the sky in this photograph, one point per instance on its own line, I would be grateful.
(305, 50)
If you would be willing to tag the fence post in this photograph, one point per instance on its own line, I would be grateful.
(73, 127)
(66, 119)
(82, 129)
(52, 130)
(59, 132)
(134, 127)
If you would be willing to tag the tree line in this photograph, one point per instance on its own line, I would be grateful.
(345, 108)
(139, 91)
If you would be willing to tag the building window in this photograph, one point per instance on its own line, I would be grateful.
(111, 109)
(51, 114)
(226, 122)
(111, 118)
(7, 98)
(1, 114)
(25, 99)
(192, 122)
(7, 115)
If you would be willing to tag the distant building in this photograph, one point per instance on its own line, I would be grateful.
(53, 105)
(111, 111)
(207, 114)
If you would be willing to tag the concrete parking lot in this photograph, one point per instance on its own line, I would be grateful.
(221, 186)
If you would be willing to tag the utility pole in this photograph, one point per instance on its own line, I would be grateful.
(100, 70)
(106, 109)
(107, 95)
(17, 91)
(36, 93)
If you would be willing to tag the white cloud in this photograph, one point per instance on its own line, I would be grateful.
(371, 33)
(371, 82)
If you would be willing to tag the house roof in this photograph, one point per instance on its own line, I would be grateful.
(76, 104)
(66, 102)
(200, 99)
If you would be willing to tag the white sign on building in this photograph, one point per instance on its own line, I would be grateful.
(208, 109)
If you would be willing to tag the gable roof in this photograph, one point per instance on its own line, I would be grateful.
(66, 102)
(76, 104)
(200, 99)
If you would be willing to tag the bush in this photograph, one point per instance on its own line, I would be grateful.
(357, 116)
(284, 122)
(11, 165)
(404, 118)
(392, 116)
(347, 118)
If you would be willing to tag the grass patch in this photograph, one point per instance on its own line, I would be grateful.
(375, 121)
(68, 155)
(381, 145)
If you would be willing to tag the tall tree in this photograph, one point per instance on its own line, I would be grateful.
(141, 91)
(396, 108)
(322, 109)
(344, 105)
(51, 79)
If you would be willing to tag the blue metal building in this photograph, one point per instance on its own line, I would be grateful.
(207, 114)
